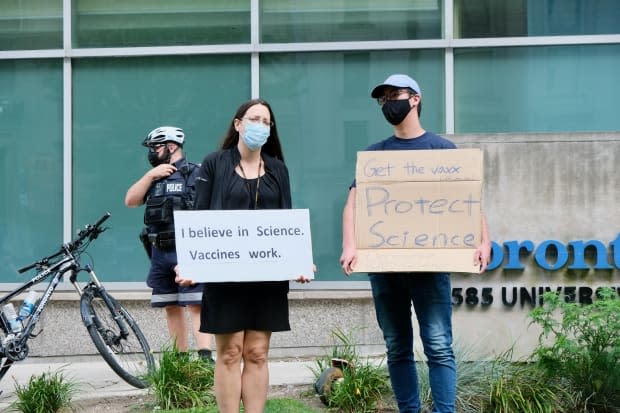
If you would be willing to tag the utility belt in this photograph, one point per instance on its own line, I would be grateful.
(163, 240)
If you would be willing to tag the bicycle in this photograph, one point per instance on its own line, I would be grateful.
(114, 332)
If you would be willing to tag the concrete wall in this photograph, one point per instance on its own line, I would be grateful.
(314, 315)
(537, 187)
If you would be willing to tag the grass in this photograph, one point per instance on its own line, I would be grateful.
(183, 383)
(45, 393)
(181, 380)
(523, 388)
(281, 405)
(363, 384)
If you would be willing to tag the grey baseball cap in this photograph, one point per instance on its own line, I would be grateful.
(397, 81)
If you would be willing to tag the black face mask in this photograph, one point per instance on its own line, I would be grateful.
(155, 160)
(395, 111)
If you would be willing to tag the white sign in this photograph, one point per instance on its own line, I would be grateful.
(243, 245)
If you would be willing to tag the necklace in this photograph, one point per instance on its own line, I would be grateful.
(247, 184)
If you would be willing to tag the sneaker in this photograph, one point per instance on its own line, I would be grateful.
(206, 355)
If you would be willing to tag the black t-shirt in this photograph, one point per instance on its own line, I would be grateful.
(426, 141)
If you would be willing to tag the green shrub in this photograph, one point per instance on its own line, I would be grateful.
(343, 348)
(363, 384)
(182, 380)
(500, 385)
(523, 388)
(580, 347)
(45, 393)
(361, 389)
(470, 386)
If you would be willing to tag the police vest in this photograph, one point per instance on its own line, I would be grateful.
(175, 192)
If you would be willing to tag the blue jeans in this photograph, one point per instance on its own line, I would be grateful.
(431, 295)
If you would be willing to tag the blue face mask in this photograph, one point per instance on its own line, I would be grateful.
(255, 135)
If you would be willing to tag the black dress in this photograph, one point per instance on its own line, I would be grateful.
(229, 307)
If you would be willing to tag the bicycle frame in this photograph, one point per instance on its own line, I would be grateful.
(114, 332)
(14, 347)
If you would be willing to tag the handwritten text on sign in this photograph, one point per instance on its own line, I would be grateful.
(241, 245)
(418, 200)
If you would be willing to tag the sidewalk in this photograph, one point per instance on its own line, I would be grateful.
(97, 379)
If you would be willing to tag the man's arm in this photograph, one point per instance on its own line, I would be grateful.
(136, 192)
(483, 252)
(349, 252)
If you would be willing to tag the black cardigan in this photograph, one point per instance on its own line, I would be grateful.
(217, 170)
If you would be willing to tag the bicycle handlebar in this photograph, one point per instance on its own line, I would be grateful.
(91, 231)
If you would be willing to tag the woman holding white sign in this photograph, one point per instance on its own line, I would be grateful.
(248, 172)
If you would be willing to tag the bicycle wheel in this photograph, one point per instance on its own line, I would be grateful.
(128, 354)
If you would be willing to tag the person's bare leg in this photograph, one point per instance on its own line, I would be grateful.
(177, 326)
(255, 375)
(202, 340)
(227, 378)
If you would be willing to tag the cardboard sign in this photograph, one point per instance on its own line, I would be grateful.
(247, 245)
(418, 210)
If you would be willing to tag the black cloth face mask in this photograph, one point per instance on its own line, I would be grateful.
(395, 111)
(155, 160)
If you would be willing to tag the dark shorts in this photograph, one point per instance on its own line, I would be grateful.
(161, 279)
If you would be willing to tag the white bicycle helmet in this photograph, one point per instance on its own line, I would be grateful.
(165, 134)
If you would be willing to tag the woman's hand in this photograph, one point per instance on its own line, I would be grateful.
(302, 278)
(183, 282)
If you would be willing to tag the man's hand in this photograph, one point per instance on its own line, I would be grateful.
(482, 257)
(183, 282)
(348, 259)
(163, 170)
(137, 191)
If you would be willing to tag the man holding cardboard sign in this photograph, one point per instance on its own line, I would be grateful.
(408, 221)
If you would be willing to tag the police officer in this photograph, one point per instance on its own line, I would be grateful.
(169, 186)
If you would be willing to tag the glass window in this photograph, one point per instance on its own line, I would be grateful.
(505, 18)
(325, 115)
(537, 89)
(117, 102)
(31, 162)
(121, 23)
(30, 24)
(288, 21)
